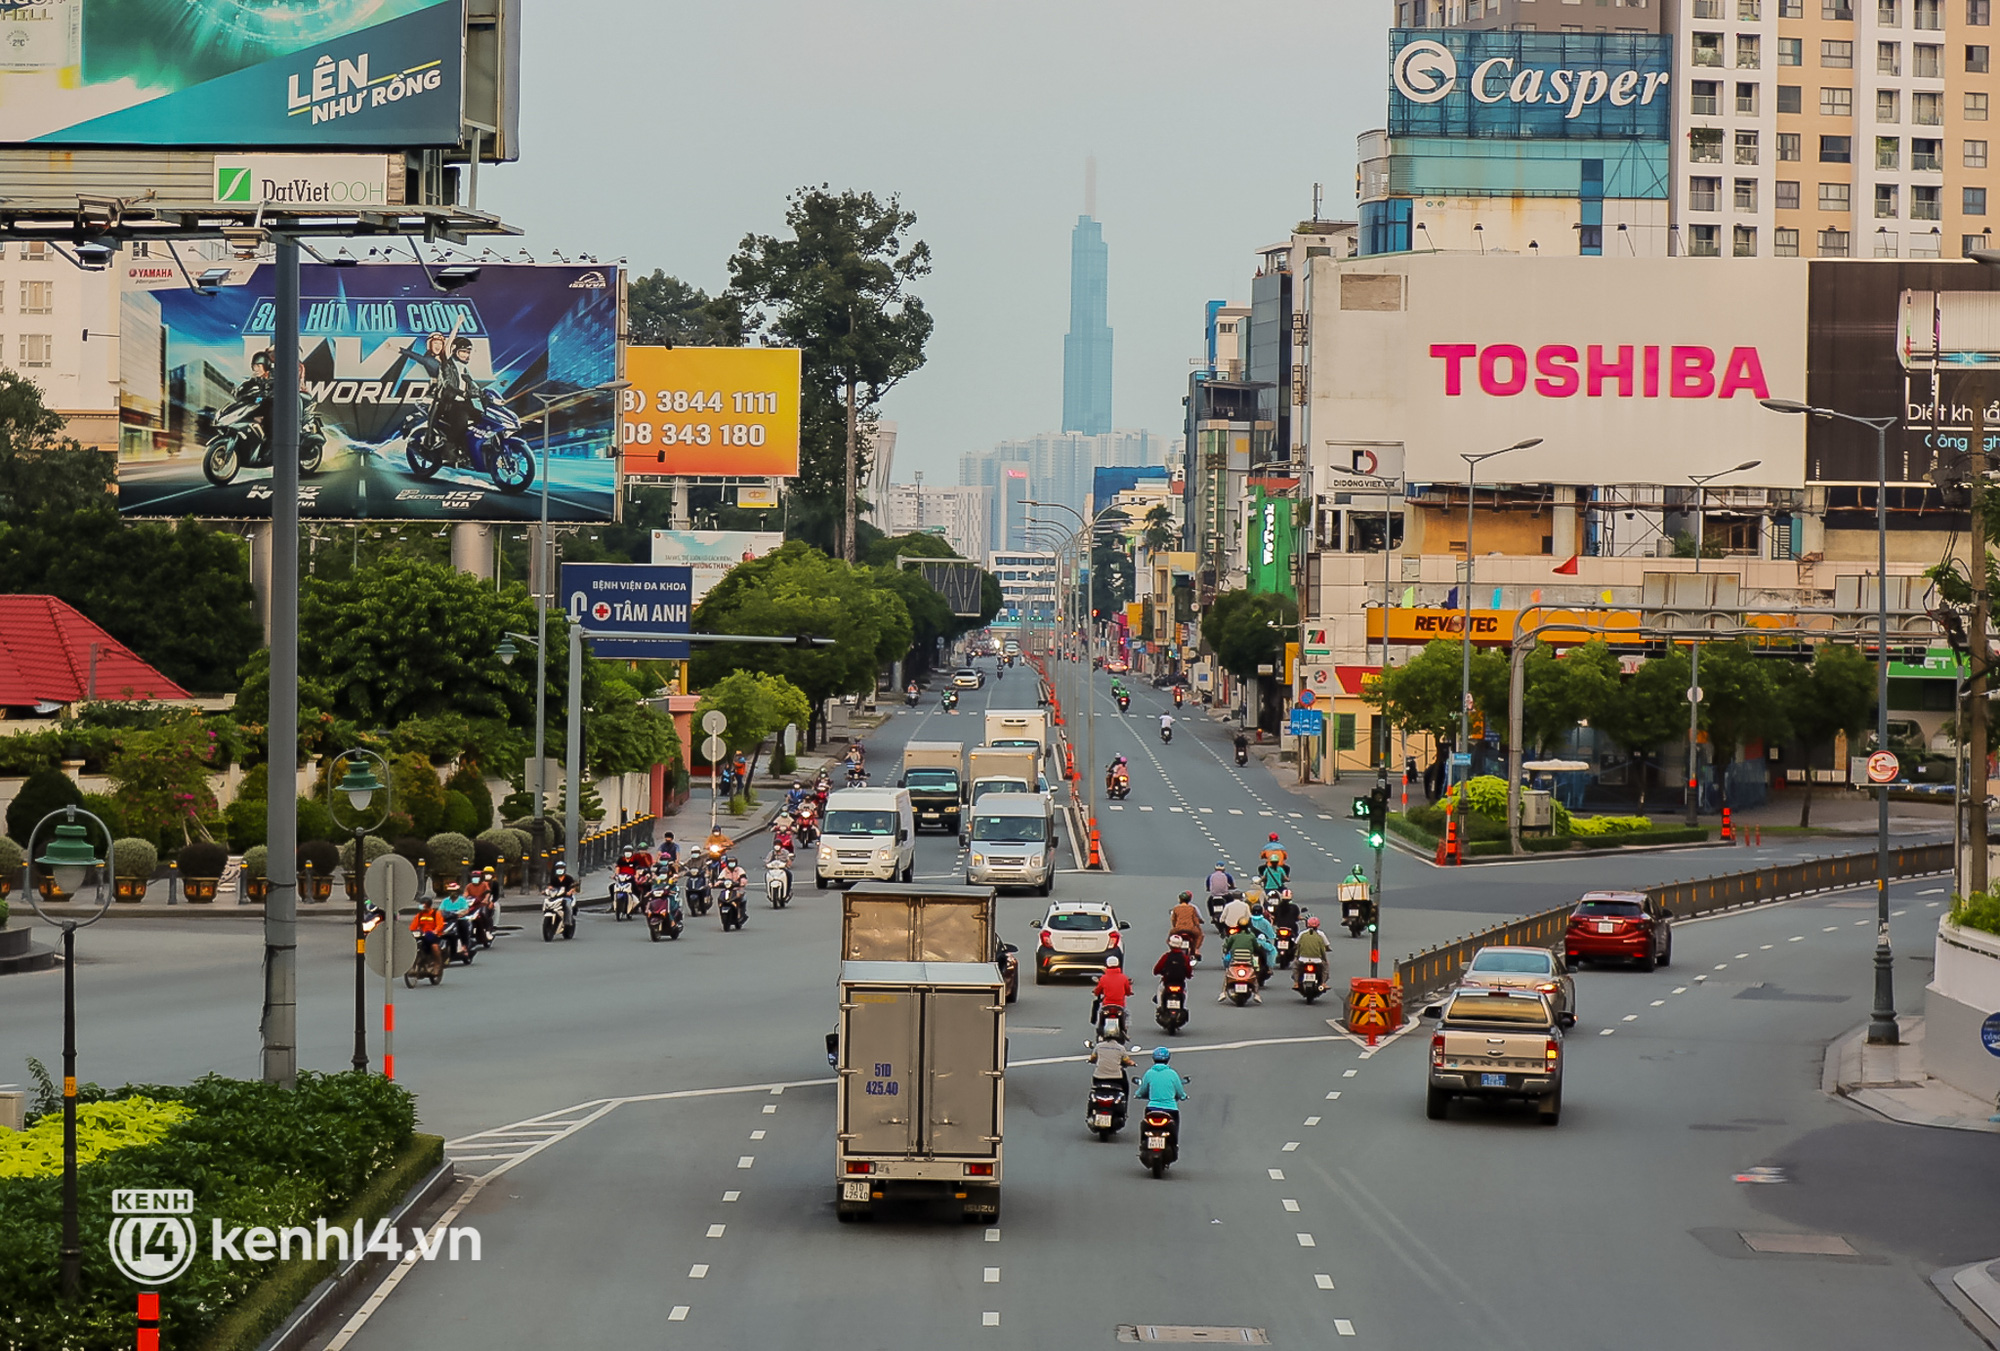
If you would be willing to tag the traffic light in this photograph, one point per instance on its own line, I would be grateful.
(1378, 815)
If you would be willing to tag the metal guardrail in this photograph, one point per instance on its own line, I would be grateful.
(602, 848)
(1434, 968)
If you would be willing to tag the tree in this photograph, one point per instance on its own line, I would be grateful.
(1740, 702)
(1426, 693)
(1110, 577)
(1651, 707)
(758, 706)
(930, 614)
(178, 595)
(162, 779)
(622, 734)
(43, 472)
(663, 311)
(1833, 695)
(1161, 533)
(838, 289)
(1238, 629)
(1562, 692)
(797, 590)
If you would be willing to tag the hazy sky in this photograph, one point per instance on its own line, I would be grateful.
(665, 132)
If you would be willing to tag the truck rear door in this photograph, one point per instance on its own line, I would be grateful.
(962, 1050)
(882, 1088)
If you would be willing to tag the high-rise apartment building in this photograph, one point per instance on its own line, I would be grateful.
(1051, 467)
(1833, 128)
(1087, 345)
(961, 516)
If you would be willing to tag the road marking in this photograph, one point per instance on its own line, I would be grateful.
(1267, 813)
(1719, 966)
(1658, 1002)
(1796, 938)
(1333, 1096)
(1295, 813)
(717, 1230)
(756, 1135)
(1739, 957)
(1681, 989)
(1177, 809)
(993, 1275)
(698, 1271)
(1896, 913)
(1343, 1327)
(1277, 1174)
(1860, 921)
(1932, 891)
(990, 1319)
(1312, 1121)
(1699, 979)
(1763, 947)
(1349, 1074)
(1114, 807)
(770, 1109)
(1631, 1018)
(1307, 1241)
(1829, 928)
(1323, 1281)
(1607, 1031)
(731, 1196)
(1291, 1205)
(1290, 1145)
(993, 1235)
(1206, 811)
(1931, 905)
(745, 1160)
(678, 1314)
(1145, 809)
(1325, 817)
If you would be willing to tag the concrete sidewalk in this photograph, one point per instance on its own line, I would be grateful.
(1891, 1082)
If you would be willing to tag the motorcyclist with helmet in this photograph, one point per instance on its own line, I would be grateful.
(1113, 988)
(428, 924)
(1219, 881)
(1285, 912)
(1117, 770)
(1174, 968)
(1186, 922)
(1312, 947)
(1274, 856)
(1267, 940)
(1242, 945)
(1164, 1088)
(566, 887)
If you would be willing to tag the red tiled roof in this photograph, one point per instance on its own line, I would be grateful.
(45, 658)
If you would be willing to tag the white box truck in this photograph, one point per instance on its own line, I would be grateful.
(1018, 727)
(921, 1059)
(1003, 769)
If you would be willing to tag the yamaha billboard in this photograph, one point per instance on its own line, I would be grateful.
(1493, 85)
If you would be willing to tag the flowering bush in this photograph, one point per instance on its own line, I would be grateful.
(162, 779)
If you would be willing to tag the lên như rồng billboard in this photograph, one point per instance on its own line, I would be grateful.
(419, 404)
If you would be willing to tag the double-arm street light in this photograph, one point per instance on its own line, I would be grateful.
(1472, 463)
(507, 652)
(1882, 1030)
(359, 786)
(1084, 538)
(1700, 482)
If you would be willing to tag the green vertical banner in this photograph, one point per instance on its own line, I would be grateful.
(1270, 540)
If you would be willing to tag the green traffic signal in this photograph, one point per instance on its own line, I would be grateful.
(1374, 839)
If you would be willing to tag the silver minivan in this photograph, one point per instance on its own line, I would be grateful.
(1013, 842)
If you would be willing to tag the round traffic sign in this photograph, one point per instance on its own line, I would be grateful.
(1989, 1033)
(390, 882)
(714, 723)
(390, 942)
(1882, 767)
(1694, 694)
(714, 750)
(1306, 698)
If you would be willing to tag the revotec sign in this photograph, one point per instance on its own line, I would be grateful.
(1538, 86)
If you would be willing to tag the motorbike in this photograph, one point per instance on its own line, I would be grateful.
(1288, 942)
(558, 914)
(700, 894)
(1105, 1111)
(1218, 901)
(493, 445)
(663, 914)
(778, 884)
(1180, 696)
(731, 905)
(857, 777)
(482, 924)
(950, 701)
(910, 696)
(1111, 1022)
(238, 441)
(1124, 702)
(1242, 754)
(429, 965)
(1121, 786)
(1356, 912)
(1311, 978)
(1172, 1011)
(1166, 735)
(623, 904)
(808, 823)
(1159, 1140)
(458, 945)
(1241, 982)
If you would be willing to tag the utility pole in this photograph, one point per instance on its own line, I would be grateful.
(279, 1026)
(1975, 699)
(853, 456)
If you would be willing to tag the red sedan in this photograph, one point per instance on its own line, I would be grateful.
(1622, 926)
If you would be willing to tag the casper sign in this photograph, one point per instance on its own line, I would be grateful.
(1540, 86)
(1645, 370)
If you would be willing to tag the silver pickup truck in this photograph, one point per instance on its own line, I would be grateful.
(1496, 1043)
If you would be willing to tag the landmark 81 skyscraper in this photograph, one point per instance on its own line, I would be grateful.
(1087, 345)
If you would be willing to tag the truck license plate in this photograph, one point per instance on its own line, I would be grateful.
(1485, 1081)
(854, 1191)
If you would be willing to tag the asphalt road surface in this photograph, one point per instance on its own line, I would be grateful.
(655, 1124)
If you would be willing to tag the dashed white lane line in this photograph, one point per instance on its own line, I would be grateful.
(1323, 1281)
(745, 1160)
(1932, 891)
(1236, 811)
(1349, 1074)
(1277, 1174)
(677, 1314)
(1308, 1241)
(1631, 1018)
(1719, 966)
(1113, 807)
(1861, 921)
(1145, 809)
(990, 1319)
(1177, 809)
(1932, 905)
(717, 1230)
(993, 1275)
(1343, 1327)
(698, 1271)
(1206, 811)
(1658, 1002)
(1312, 1121)
(992, 1235)
(1606, 1031)
(770, 1109)
(1763, 947)
(1829, 928)
(1796, 938)
(1266, 813)
(1739, 957)
(731, 1196)
(1699, 979)
(1290, 1146)
(756, 1135)
(1682, 989)
(1333, 1096)
(1291, 1205)
(1896, 914)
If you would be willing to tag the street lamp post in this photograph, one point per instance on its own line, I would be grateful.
(507, 652)
(359, 786)
(70, 859)
(1701, 482)
(1882, 1029)
(1472, 463)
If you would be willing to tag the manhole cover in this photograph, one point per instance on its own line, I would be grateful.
(1187, 1332)
(1815, 1245)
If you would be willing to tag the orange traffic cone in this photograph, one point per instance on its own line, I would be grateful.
(1451, 840)
(1728, 834)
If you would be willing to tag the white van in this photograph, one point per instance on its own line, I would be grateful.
(868, 833)
(1013, 842)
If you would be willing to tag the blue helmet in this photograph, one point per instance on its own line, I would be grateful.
(1162, 1056)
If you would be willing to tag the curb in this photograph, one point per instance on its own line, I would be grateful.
(1974, 1295)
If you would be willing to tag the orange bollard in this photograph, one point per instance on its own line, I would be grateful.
(1096, 846)
(1451, 854)
(149, 1322)
(1727, 834)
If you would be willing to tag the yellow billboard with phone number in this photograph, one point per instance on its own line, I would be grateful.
(710, 411)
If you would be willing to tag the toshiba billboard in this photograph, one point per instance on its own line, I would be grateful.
(1630, 370)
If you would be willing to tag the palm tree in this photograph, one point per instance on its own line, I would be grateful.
(1161, 533)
